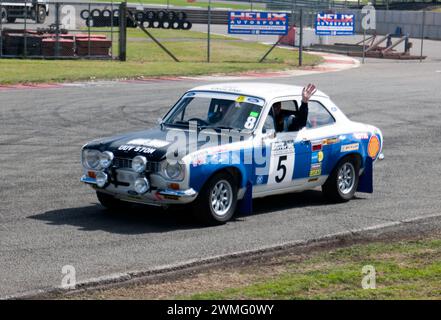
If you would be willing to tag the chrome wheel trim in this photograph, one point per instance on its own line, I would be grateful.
(221, 198)
(346, 178)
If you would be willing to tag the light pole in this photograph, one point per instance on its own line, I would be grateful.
(208, 31)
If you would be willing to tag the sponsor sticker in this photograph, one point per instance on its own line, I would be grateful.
(361, 136)
(316, 170)
(259, 180)
(240, 99)
(253, 100)
(140, 149)
(350, 147)
(373, 147)
(154, 143)
(282, 147)
(331, 141)
(317, 157)
(254, 114)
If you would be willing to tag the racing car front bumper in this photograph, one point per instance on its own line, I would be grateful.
(155, 196)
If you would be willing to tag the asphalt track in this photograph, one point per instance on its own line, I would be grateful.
(48, 219)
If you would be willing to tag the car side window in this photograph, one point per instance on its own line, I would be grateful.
(318, 115)
(281, 114)
(269, 123)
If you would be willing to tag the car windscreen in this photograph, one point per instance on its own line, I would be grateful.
(217, 110)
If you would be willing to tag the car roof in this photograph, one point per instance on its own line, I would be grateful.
(263, 90)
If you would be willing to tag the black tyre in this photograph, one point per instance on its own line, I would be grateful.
(166, 25)
(171, 16)
(343, 181)
(150, 15)
(185, 25)
(85, 14)
(217, 200)
(11, 20)
(95, 13)
(162, 15)
(156, 24)
(106, 13)
(109, 202)
(175, 25)
(41, 14)
(146, 24)
(140, 16)
(181, 16)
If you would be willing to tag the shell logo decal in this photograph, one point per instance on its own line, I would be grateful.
(373, 147)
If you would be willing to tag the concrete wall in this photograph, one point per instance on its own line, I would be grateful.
(409, 21)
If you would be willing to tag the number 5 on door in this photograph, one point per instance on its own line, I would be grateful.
(281, 163)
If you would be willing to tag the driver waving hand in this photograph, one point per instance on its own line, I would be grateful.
(296, 123)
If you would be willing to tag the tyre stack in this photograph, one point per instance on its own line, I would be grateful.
(163, 19)
(100, 18)
(176, 20)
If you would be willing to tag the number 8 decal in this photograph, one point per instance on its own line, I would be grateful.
(249, 124)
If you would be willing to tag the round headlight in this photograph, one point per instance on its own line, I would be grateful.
(142, 185)
(139, 164)
(91, 159)
(106, 159)
(101, 179)
(173, 171)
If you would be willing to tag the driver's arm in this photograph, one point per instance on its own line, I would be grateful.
(301, 118)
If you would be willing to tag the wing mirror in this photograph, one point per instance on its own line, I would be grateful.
(268, 133)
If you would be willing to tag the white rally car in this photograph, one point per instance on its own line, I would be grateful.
(217, 148)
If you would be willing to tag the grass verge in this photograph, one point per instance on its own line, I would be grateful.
(408, 269)
(146, 59)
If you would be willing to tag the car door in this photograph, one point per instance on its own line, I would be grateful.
(284, 150)
(321, 134)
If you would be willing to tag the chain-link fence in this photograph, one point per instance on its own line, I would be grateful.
(69, 30)
(62, 30)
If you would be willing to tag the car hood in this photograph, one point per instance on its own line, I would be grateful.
(153, 144)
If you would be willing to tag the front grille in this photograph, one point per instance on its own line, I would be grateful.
(124, 163)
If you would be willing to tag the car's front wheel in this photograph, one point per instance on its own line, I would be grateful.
(110, 202)
(343, 181)
(217, 201)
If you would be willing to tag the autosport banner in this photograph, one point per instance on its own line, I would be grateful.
(246, 22)
(334, 24)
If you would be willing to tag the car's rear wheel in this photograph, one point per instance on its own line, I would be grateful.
(217, 201)
(110, 202)
(343, 181)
